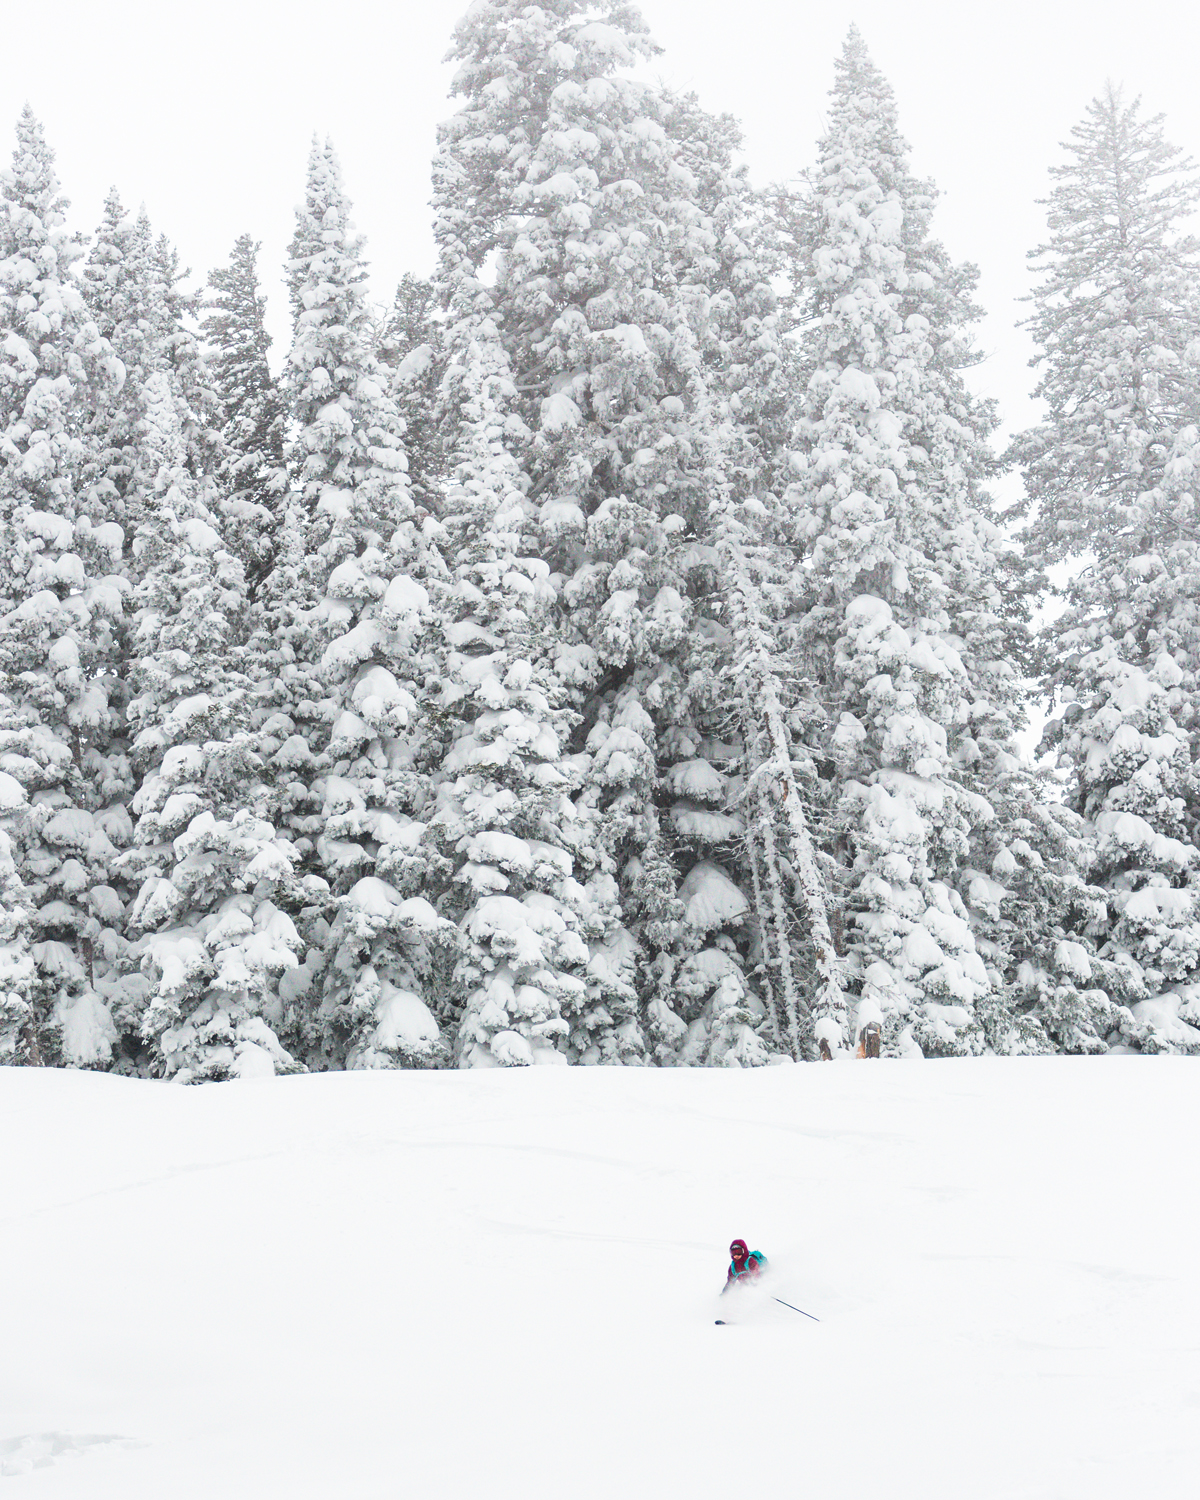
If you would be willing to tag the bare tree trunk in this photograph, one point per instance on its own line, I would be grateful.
(792, 999)
(764, 725)
(33, 1053)
(763, 929)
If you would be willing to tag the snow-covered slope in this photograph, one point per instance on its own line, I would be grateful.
(503, 1283)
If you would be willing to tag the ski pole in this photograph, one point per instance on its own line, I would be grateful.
(798, 1309)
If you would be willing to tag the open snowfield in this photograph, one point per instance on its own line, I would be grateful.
(503, 1284)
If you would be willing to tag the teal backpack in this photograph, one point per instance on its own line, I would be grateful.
(755, 1255)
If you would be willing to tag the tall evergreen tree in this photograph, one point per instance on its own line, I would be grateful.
(22, 1006)
(131, 283)
(567, 215)
(253, 475)
(161, 417)
(346, 614)
(61, 613)
(904, 634)
(729, 263)
(546, 975)
(190, 375)
(348, 452)
(214, 878)
(1110, 477)
(121, 284)
(412, 346)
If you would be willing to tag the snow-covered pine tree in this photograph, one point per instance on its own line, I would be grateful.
(347, 612)
(201, 410)
(546, 975)
(216, 882)
(1034, 908)
(1110, 476)
(412, 347)
(22, 1006)
(131, 284)
(1114, 319)
(566, 213)
(728, 261)
(120, 282)
(252, 479)
(903, 634)
(727, 250)
(61, 618)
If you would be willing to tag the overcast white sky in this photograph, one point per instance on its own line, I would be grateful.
(205, 112)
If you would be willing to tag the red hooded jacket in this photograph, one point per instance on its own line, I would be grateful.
(746, 1266)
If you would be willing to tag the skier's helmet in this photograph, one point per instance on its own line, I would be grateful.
(739, 1250)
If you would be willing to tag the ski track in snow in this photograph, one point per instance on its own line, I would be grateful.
(509, 1226)
(454, 1284)
(139, 1186)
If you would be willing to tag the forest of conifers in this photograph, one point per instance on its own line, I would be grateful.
(611, 652)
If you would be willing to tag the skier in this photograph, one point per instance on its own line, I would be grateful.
(745, 1267)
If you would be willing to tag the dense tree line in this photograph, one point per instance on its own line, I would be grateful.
(612, 653)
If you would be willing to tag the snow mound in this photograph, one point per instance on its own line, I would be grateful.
(710, 898)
